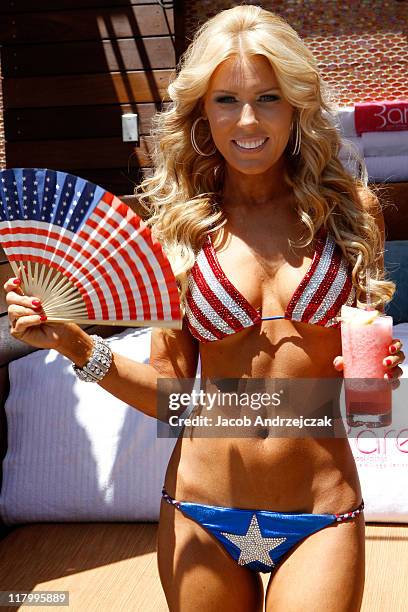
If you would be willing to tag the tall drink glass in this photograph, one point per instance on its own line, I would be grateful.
(365, 344)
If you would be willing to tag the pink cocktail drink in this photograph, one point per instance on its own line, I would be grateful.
(366, 337)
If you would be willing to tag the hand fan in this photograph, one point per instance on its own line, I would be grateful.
(88, 256)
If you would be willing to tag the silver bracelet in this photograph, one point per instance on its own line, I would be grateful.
(98, 364)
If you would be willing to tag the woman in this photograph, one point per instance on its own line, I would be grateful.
(259, 218)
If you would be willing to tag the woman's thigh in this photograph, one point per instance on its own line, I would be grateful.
(324, 573)
(197, 573)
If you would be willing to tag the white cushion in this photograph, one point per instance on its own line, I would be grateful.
(75, 452)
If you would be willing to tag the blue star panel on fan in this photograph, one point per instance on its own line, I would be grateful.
(49, 196)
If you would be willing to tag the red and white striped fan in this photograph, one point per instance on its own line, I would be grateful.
(89, 258)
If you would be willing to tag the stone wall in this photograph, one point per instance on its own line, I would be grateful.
(361, 47)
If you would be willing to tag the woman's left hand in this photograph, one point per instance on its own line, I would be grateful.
(391, 362)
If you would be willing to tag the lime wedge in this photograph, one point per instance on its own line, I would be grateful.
(358, 316)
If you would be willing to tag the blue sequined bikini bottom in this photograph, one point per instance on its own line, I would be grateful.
(257, 539)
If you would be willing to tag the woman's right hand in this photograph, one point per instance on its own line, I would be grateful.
(27, 322)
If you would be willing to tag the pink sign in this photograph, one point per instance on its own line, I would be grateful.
(381, 116)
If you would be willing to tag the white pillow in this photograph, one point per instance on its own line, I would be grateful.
(75, 452)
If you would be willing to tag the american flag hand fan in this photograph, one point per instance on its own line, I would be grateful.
(89, 258)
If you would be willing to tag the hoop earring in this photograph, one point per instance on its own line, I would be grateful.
(217, 170)
(298, 138)
(194, 142)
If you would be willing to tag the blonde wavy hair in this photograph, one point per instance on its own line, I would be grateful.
(181, 197)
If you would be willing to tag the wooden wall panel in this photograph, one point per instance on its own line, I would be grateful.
(89, 56)
(113, 88)
(26, 6)
(71, 69)
(74, 154)
(74, 121)
(88, 24)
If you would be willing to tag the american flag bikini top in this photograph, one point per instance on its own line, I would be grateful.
(215, 308)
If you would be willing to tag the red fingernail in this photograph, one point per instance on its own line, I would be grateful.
(388, 362)
(43, 317)
(36, 302)
(16, 281)
(393, 349)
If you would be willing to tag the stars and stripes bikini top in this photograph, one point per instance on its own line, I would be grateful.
(215, 308)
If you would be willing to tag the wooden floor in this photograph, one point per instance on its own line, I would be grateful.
(112, 566)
